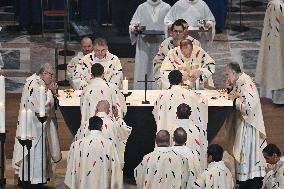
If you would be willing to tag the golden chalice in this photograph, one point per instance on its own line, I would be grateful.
(222, 93)
(69, 92)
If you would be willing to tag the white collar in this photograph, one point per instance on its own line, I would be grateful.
(96, 132)
(97, 79)
(191, 2)
(102, 114)
(219, 164)
(185, 122)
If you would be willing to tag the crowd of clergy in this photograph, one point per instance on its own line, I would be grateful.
(182, 157)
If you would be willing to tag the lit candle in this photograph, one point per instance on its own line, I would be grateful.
(197, 84)
(29, 123)
(2, 118)
(42, 101)
(23, 124)
(125, 86)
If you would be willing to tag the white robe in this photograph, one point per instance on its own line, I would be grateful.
(98, 90)
(115, 130)
(275, 179)
(162, 168)
(165, 108)
(216, 176)
(151, 16)
(191, 12)
(196, 139)
(199, 60)
(71, 69)
(270, 67)
(112, 70)
(164, 48)
(99, 170)
(193, 162)
(30, 100)
(246, 132)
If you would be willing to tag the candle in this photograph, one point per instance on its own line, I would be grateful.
(2, 89)
(42, 101)
(23, 124)
(197, 84)
(125, 86)
(29, 123)
(2, 118)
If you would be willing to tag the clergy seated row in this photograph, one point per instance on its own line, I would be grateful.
(99, 89)
(79, 68)
(169, 167)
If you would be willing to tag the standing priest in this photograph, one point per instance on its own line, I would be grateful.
(195, 64)
(245, 128)
(163, 168)
(93, 161)
(270, 67)
(86, 48)
(113, 127)
(31, 100)
(192, 11)
(165, 107)
(101, 55)
(98, 89)
(150, 14)
(178, 31)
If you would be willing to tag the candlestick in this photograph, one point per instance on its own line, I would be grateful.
(23, 124)
(29, 123)
(42, 101)
(125, 86)
(2, 118)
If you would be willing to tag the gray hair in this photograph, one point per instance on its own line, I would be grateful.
(46, 67)
(100, 42)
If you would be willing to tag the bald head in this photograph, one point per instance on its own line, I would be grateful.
(103, 106)
(163, 138)
(86, 45)
(180, 136)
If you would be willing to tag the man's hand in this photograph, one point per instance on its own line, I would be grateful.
(232, 96)
(229, 84)
(194, 74)
(269, 167)
(115, 112)
(53, 87)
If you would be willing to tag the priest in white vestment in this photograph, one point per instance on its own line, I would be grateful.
(180, 147)
(195, 64)
(98, 89)
(274, 178)
(113, 127)
(270, 68)
(178, 33)
(93, 162)
(196, 135)
(150, 14)
(31, 100)
(86, 48)
(165, 107)
(101, 55)
(162, 168)
(245, 128)
(192, 11)
(217, 175)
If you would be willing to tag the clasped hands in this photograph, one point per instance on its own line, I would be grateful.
(191, 75)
